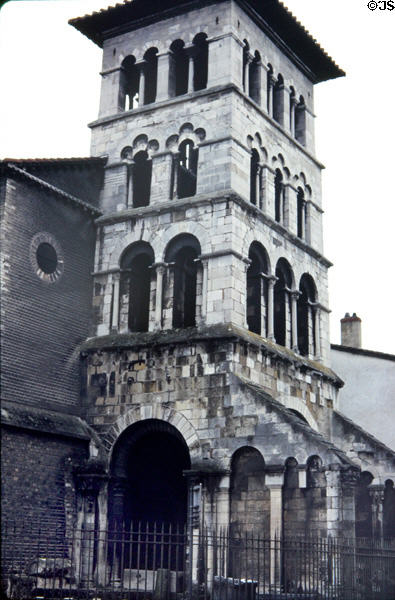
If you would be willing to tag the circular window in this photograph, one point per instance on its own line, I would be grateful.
(46, 257)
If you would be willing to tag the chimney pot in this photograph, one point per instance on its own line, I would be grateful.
(351, 331)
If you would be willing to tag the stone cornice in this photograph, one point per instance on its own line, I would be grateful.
(225, 88)
(122, 341)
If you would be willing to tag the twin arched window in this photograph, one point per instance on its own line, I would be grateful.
(138, 81)
(139, 295)
(306, 316)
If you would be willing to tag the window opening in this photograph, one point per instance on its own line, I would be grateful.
(136, 285)
(151, 75)
(257, 290)
(200, 62)
(187, 169)
(255, 78)
(301, 217)
(47, 258)
(278, 196)
(300, 121)
(282, 300)
(185, 289)
(254, 178)
(179, 69)
(129, 84)
(278, 100)
(269, 88)
(305, 316)
(142, 173)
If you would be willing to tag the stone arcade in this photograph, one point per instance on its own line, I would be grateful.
(200, 385)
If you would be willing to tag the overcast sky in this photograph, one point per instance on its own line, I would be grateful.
(50, 91)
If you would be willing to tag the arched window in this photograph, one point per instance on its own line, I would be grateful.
(255, 180)
(182, 254)
(300, 121)
(179, 67)
(278, 100)
(306, 316)
(255, 78)
(257, 289)
(142, 172)
(200, 62)
(135, 287)
(187, 169)
(301, 213)
(278, 196)
(282, 304)
(150, 75)
(129, 84)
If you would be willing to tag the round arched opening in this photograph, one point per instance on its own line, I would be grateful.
(147, 466)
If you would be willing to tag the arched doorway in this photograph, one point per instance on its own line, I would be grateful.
(147, 483)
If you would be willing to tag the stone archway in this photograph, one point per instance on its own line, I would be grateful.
(147, 484)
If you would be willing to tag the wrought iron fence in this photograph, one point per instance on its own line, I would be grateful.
(164, 562)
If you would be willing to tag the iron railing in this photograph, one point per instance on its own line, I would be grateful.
(165, 562)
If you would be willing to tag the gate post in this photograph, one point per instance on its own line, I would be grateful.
(85, 548)
(193, 531)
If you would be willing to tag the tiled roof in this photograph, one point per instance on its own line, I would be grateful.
(275, 18)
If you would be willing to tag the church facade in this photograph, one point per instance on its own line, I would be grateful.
(166, 353)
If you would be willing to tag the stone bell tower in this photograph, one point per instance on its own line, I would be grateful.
(208, 361)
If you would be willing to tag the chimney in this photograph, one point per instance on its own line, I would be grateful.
(351, 331)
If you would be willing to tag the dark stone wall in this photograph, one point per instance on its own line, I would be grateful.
(45, 321)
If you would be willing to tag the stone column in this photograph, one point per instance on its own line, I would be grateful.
(204, 287)
(129, 190)
(376, 493)
(174, 177)
(294, 318)
(160, 271)
(349, 479)
(141, 83)
(270, 307)
(316, 309)
(334, 499)
(88, 486)
(258, 185)
(191, 69)
(115, 302)
(247, 75)
(117, 529)
(274, 482)
(194, 523)
(162, 92)
(271, 84)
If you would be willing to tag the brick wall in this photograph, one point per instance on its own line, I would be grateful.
(45, 321)
(32, 475)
